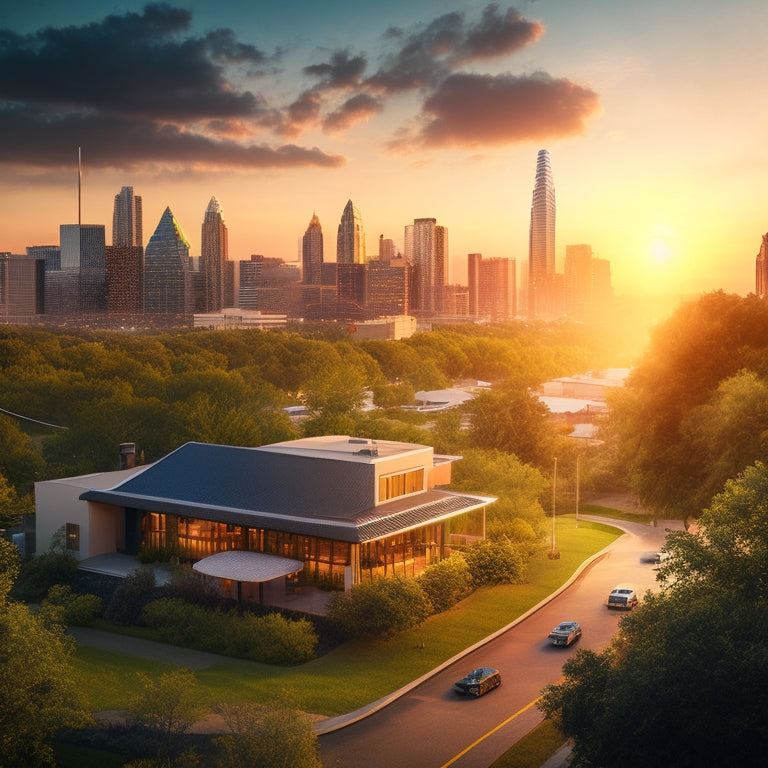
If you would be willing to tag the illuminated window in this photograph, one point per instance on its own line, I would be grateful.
(392, 486)
(73, 537)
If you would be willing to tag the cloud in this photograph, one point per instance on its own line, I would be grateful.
(39, 139)
(496, 35)
(470, 110)
(136, 87)
(353, 111)
(342, 71)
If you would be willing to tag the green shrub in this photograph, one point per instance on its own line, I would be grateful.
(130, 597)
(380, 608)
(177, 622)
(39, 574)
(277, 640)
(77, 610)
(495, 562)
(446, 582)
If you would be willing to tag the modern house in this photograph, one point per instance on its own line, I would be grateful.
(335, 510)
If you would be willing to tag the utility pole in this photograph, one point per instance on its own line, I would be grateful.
(553, 553)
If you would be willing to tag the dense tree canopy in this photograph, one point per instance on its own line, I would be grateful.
(693, 412)
(683, 683)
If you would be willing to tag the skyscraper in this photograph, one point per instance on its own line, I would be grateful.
(350, 242)
(541, 244)
(492, 288)
(82, 279)
(127, 219)
(426, 248)
(312, 253)
(166, 270)
(761, 268)
(577, 274)
(214, 254)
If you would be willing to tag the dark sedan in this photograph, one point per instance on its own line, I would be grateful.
(565, 633)
(479, 681)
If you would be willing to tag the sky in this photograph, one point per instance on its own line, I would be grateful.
(653, 113)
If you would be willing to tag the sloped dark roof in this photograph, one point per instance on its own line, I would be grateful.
(309, 496)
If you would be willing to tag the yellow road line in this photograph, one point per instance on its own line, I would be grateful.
(491, 732)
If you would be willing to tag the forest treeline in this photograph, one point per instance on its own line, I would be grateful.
(693, 413)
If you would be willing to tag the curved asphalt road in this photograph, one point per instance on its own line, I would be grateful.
(427, 725)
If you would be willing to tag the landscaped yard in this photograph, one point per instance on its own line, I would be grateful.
(358, 672)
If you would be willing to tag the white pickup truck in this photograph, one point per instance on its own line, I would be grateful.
(623, 596)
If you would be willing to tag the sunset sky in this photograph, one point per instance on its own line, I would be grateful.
(654, 113)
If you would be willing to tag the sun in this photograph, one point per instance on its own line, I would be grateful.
(660, 250)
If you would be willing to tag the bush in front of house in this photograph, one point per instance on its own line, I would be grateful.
(495, 562)
(39, 574)
(446, 582)
(380, 608)
(71, 608)
(270, 639)
(130, 597)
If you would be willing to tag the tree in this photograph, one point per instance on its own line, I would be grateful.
(38, 696)
(495, 562)
(657, 417)
(274, 737)
(169, 706)
(683, 682)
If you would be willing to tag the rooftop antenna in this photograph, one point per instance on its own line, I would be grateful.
(79, 186)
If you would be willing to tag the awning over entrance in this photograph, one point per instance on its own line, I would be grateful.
(239, 565)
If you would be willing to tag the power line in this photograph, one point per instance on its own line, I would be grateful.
(27, 418)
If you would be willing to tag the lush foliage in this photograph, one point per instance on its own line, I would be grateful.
(38, 575)
(380, 608)
(128, 600)
(692, 656)
(694, 411)
(495, 562)
(270, 737)
(271, 639)
(446, 582)
(70, 608)
(38, 695)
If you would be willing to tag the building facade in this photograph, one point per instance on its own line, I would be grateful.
(214, 256)
(312, 253)
(492, 288)
(350, 240)
(22, 280)
(167, 280)
(82, 279)
(361, 510)
(127, 219)
(426, 249)
(541, 242)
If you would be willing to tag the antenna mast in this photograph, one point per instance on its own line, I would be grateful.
(79, 186)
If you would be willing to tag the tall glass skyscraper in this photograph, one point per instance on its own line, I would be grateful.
(312, 253)
(81, 282)
(541, 244)
(350, 242)
(214, 254)
(167, 281)
(127, 219)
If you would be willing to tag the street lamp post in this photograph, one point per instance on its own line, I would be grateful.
(553, 553)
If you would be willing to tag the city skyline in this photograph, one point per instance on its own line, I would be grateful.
(412, 111)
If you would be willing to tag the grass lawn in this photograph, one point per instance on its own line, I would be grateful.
(359, 672)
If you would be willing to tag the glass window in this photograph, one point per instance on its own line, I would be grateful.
(392, 486)
(73, 537)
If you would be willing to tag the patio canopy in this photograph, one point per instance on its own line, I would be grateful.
(239, 566)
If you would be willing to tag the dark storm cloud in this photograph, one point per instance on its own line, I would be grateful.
(36, 138)
(497, 34)
(137, 64)
(133, 88)
(353, 111)
(471, 110)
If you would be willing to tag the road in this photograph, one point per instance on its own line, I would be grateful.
(431, 727)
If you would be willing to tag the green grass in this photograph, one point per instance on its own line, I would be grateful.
(359, 672)
(534, 749)
(615, 514)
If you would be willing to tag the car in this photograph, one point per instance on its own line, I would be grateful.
(622, 596)
(478, 682)
(565, 633)
(654, 557)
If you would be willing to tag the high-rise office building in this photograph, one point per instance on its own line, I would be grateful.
(167, 282)
(312, 253)
(127, 219)
(388, 285)
(602, 289)
(50, 254)
(80, 284)
(350, 241)
(386, 249)
(426, 248)
(541, 244)
(492, 288)
(125, 279)
(21, 287)
(214, 255)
